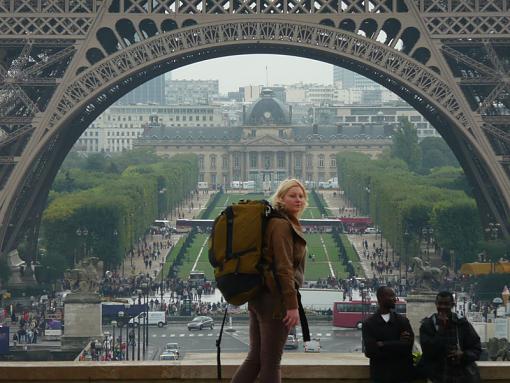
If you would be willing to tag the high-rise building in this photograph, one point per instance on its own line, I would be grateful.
(150, 92)
(191, 92)
(347, 79)
(344, 77)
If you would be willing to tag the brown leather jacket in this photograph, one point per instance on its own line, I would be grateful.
(286, 246)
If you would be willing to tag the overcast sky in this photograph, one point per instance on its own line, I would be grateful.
(235, 71)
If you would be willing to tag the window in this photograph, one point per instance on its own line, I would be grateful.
(201, 177)
(213, 179)
(332, 161)
(280, 158)
(321, 160)
(201, 162)
(309, 161)
(237, 161)
(253, 159)
(267, 160)
(224, 162)
(298, 161)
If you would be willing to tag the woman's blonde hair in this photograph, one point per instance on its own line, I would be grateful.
(283, 189)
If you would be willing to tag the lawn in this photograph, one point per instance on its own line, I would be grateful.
(198, 246)
(318, 268)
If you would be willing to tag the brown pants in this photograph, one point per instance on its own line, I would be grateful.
(267, 338)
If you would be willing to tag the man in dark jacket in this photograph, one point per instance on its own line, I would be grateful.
(450, 344)
(388, 341)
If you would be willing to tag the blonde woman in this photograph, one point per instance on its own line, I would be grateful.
(274, 312)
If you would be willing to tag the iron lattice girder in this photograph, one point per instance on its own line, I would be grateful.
(497, 120)
(472, 63)
(488, 102)
(496, 132)
(14, 136)
(9, 160)
(336, 41)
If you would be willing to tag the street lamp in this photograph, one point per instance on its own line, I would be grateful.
(161, 264)
(406, 248)
(126, 320)
(120, 314)
(144, 287)
(106, 335)
(142, 315)
(82, 233)
(492, 230)
(114, 324)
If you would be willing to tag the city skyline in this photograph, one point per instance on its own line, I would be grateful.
(280, 70)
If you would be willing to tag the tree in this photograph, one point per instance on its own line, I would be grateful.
(405, 145)
(96, 162)
(5, 271)
(436, 153)
(457, 227)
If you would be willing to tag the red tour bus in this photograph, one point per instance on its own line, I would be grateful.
(351, 314)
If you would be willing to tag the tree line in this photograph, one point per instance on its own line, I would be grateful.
(413, 193)
(100, 206)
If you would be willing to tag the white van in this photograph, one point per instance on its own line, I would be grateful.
(249, 185)
(203, 186)
(155, 318)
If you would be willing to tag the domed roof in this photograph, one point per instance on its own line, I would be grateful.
(267, 110)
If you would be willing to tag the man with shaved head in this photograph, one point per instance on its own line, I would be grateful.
(388, 341)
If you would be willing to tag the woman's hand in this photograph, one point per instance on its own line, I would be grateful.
(291, 319)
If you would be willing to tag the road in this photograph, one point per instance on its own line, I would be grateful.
(204, 341)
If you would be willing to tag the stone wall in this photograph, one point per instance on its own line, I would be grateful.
(201, 368)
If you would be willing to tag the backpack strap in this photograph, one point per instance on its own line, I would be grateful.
(229, 212)
(218, 346)
(302, 319)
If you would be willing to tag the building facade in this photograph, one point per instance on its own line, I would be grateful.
(116, 129)
(267, 147)
(372, 121)
(150, 92)
(191, 92)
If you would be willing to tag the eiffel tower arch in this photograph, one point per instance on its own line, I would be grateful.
(63, 62)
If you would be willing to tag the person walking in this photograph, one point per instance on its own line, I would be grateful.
(274, 312)
(388, 341)
(450, 345)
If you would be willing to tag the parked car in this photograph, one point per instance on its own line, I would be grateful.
(291, 343)
(173, 347)
(169, 355)
(371, 230)
(314, 345)
(200, 322)
(155, 318)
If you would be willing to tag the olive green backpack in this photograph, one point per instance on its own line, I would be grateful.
(236, 250)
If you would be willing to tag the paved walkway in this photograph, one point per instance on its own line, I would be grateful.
(136, 265)
(335, 203)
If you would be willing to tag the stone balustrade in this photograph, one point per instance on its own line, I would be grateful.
(201, 368)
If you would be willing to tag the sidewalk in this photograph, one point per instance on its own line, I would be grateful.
(136, 265)
(335, 202)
